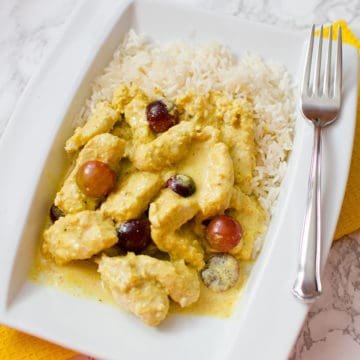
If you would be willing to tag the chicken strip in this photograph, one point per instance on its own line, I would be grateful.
(242, 146)
(234, 118)
(167, 149)
(123, 95)
(132, 196)
(251, 216)
(167, 214)
(180, 245)
(131, 102)
(169, 210)
(106, 148)
(216, 192)
(101, 121)
(142, 284)
(79, 236)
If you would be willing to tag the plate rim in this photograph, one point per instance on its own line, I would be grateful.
(32, 83)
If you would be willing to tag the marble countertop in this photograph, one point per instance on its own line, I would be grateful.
(30, 28)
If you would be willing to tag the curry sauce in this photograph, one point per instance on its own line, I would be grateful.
(212, 142)
(81, 279)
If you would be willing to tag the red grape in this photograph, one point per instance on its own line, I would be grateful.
(159, 118)
(134, 235)
(95, 178)
(223, 233)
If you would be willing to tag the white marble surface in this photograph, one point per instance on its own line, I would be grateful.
(30, 28)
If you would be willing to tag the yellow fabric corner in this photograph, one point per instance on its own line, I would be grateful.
(15, 345)
(348, 36)
(349, 219)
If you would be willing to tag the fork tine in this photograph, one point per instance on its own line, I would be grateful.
(306, 79)
(338, 69)
(318, 64)
(326, 89)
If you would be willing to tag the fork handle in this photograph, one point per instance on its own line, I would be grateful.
(307, 285)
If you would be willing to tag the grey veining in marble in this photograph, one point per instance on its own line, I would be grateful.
(28, 31)
(287, 14)
(30, 28)
(332, 328)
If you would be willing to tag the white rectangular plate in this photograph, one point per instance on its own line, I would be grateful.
(267, 318)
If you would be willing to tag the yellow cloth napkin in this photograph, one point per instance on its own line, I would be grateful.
(349, 219)
(15, 345)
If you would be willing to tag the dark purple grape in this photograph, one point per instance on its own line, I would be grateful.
(55, 213)
(134, 235)
(182, 184)
(159, 118)
(221, 272)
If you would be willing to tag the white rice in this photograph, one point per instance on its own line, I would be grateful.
(176, 67)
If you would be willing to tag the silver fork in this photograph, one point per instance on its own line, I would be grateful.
(320, 105)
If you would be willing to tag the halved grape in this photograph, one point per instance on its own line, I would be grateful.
(221, 272)
(159, 118)
(223, 233)
(182, 184)
(55, 213)
(96, 178)
(134, 235)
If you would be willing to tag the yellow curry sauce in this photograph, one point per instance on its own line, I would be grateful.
(213, 140)
(81, 279)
